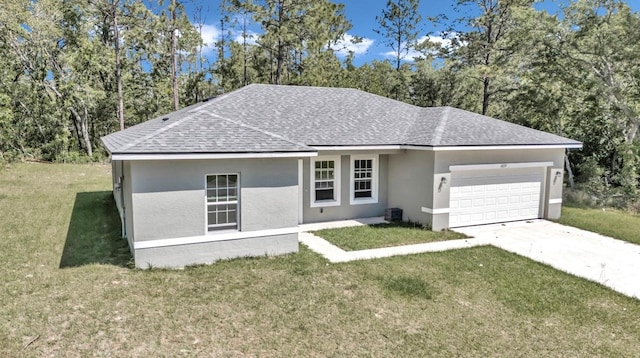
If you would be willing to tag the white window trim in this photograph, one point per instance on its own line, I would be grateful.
(312, 181)
(206, 208)
(374, 180)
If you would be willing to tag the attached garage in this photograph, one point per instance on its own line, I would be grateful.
(485, 194)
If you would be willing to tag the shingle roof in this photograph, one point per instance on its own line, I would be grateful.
(269, 118)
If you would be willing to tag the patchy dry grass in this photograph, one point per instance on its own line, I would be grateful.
(618, 224)
(384, 235)
(68, 290)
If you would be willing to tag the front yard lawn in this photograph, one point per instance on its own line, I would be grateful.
(618, 224)
(384, 235)
(68, 290)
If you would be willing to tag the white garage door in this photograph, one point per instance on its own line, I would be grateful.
(491, 196)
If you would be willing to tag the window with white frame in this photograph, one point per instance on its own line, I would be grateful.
(325, 181)
(222, 202)
(364, 179)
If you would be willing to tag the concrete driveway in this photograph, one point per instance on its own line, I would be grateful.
(611, 262)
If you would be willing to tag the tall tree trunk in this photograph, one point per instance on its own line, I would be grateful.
(220, 60)
(77, 131)
(82, 122)
(567, 165)
(280, 50)
(396, 91)
(279, 61)
(244, 49)
(485, 95)
(174, 57)
(197, 18)
(116, 40)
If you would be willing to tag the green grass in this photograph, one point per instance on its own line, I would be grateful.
(67, 290)
(618, 224)
(384, 235)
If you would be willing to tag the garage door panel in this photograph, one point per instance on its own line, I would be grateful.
(494, 196)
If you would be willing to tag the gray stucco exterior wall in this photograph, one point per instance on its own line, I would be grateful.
(168, 200)
(122, 197)
(443, 159)
(345, 210)
(116, 174)
(169, 196)
(553, 198)
(410, 183)
(128, 204)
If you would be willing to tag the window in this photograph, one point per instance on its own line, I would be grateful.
(364, 179)
(222, 202)
(325, 181)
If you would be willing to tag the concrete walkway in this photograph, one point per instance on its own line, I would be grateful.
(336, 254)
(611, 262)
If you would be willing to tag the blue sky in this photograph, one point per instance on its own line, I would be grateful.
(362, 14)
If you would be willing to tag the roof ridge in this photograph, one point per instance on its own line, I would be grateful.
(437, 137)
(213, 100)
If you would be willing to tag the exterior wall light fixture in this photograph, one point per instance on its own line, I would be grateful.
(443, 181)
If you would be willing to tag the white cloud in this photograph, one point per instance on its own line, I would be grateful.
(210, 34)
(346, 45)
(251, 37)
(445, 41)
(410, 55)
(413, 54)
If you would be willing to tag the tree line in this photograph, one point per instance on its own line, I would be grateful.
(72, 71)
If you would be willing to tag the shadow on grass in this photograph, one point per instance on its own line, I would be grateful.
(407, 286)
(401, 224)
(94, 233)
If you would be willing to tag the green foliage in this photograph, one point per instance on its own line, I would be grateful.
(399, 23)
(575, 73)
(58, 91)
(294, 47)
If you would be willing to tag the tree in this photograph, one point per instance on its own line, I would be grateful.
(73, 71)
(399, 23)
(118, 65)
(485, 48)
(293, 30)
(173, 9)
(589, 60)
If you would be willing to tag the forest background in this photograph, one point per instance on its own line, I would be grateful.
(72, 71)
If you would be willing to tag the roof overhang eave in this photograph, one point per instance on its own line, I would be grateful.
(495, 147)
(445, 148)
(231, 155)
(104, 144)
